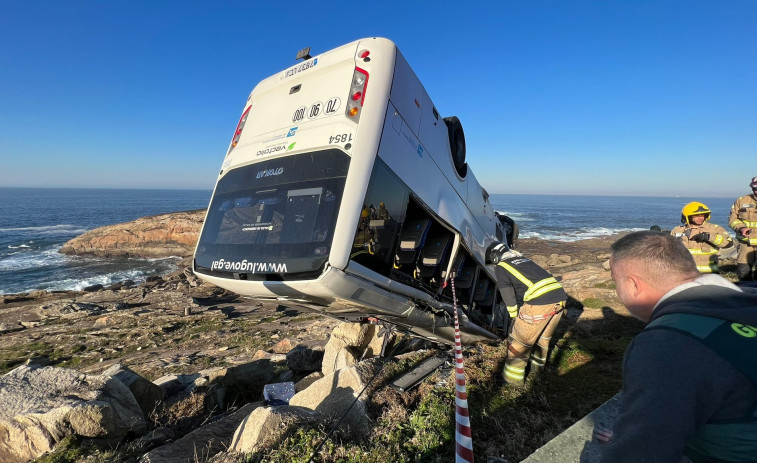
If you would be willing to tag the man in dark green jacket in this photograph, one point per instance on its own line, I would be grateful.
(690, 378)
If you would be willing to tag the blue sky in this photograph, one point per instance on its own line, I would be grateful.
(556, 97)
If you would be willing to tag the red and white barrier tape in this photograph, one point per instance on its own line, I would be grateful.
(463, 440)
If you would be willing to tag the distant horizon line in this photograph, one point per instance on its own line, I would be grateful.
(99, 188)
(490, 194)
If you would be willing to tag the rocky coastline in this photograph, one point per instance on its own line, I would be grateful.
(164, 235)
(178, 342)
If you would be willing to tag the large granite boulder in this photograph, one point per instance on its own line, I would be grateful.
(333, 394)
(203, 442)
(41, 406)
(306, 357)
(147, 394)
(351, 342)
(346, 345)
(265, 427)
(164, 235)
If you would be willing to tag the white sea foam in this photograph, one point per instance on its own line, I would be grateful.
(44, 258)
(576, 235)
(78, 284)
(517, 216)
(22, 246)
(105, 280)
(48, 229)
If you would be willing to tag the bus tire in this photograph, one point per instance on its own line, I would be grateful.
(457, 144)
(512, 234)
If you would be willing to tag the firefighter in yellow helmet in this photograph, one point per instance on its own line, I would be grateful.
(535, 300)
(743, 220)
(363, 235)
(702, 238)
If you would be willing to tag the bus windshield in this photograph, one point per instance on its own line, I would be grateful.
(275, 216)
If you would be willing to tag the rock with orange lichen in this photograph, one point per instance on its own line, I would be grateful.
(164, 235)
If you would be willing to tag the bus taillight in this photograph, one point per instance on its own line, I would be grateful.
(357, 94)
(238, 131)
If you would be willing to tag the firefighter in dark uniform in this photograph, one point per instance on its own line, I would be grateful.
(535, 300)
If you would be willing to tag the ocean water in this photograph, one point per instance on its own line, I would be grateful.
(34, 224)
(572, 218)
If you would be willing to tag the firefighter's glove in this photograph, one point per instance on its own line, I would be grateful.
(701, 237)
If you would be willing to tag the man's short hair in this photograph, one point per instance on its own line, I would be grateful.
(661, 254)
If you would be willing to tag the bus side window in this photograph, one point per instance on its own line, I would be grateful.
(384, 210)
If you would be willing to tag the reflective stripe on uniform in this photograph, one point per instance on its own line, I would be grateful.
(513, 311)
(740, 223)
(542, 287)
(535, 290)
(712, 268)
(747, 240)
(699, 252)
(516, 274)
(719, 239)
(515, 372)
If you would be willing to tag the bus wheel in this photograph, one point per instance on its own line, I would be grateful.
(511, 227)
(457, 144)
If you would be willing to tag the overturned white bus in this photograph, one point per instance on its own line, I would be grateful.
(344, 191)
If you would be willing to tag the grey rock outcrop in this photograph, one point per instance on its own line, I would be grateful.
(333, 394)
(146, 393)
(203, 442)
(265, 426)
(41, 406)
(306, 357)
(349, 343)
(172, 384)
(345, 345)
(305, 382)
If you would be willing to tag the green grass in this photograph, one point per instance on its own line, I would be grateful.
(593, 303)
(66, 451)
(605, 285)
(508, 422)
(305, 318)
(64, 354)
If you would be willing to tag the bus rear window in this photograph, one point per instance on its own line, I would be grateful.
(281, 211)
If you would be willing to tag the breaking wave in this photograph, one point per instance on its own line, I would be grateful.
(28, 260)
(575, 235)
(47, 229)
(108, 279)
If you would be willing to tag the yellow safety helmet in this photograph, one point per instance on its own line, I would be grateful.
(364, 213)
(694, 208)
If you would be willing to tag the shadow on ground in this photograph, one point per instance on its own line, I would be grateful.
(584, 371)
